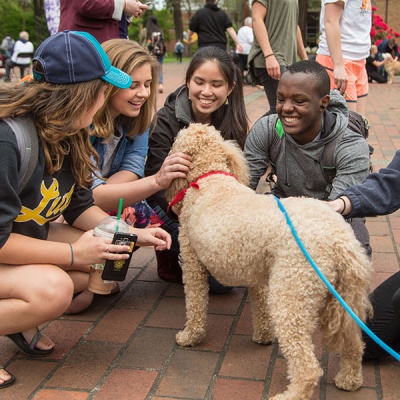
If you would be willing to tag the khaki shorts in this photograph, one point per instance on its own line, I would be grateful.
(357, 85)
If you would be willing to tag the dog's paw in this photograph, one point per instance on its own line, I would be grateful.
(348, 382)
(189, 338)
(263, 338)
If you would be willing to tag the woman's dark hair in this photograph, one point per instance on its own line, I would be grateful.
(152, 25)
(234, 123)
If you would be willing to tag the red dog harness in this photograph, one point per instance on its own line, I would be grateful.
(181, 194)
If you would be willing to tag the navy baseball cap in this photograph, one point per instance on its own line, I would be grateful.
(72, 57)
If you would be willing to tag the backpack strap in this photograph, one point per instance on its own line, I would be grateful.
(276, 144)
(275, 150)
(327, 162)
(28, 145)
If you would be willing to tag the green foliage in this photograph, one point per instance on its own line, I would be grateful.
(165, 19)
(13, 19)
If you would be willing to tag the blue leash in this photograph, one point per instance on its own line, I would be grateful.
(332, 289)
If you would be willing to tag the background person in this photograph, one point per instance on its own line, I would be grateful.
(389, 46)
(156, 46)
(246, 38)
(211, 24)
(343, 47)
(7, 45)
(179, 47)
(22, 45)
(373, 65)
(277, 42)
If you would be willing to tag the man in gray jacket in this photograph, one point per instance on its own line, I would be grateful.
(308, 118)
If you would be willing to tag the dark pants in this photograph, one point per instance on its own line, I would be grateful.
(168, 267)
(10, 64)
(385, 322)
(179, 56)
(270, 86)
(242, 62)
(376, 76)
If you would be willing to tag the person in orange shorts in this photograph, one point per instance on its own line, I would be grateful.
(344, 46)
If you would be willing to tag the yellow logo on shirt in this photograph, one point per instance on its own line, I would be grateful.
(366, 5)
(51, 204)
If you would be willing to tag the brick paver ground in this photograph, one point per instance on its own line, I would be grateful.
(123, 347)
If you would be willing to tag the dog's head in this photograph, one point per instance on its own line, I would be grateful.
(209, 152)
(386, 55)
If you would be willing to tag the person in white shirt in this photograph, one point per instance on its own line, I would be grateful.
(344, 46)
(22, 45)
(246, 38)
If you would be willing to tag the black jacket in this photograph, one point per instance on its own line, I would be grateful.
(171, 118)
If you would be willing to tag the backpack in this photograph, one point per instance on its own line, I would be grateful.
(28, 145)
(157, 46)
(357, 123)
(179, 48)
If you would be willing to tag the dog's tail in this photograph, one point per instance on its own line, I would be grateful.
(353, 279)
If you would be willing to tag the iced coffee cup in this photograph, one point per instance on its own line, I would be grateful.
(106, 229)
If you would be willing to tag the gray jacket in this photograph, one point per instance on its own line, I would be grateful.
(298, 167)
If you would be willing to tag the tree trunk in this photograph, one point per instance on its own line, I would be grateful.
(176, 6)
(303, 8)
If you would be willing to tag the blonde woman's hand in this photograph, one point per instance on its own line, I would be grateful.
(176, 165)
(157, 237)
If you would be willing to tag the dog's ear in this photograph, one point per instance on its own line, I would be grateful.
(236, 161)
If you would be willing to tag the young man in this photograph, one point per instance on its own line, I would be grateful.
(211, 24)
(309, 116)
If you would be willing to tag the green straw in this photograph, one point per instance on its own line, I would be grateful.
(121, 200)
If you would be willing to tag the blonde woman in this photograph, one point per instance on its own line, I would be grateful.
(120, 135)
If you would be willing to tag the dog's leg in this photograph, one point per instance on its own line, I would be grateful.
(294, 316)
(261, 319)
(196, 296)
(350, 376)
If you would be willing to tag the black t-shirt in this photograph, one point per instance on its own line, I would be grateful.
(210, 23)
(44, 198)
(370, 66)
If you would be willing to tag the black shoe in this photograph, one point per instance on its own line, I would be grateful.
(29, 348)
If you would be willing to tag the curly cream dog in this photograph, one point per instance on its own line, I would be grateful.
(242, 239)
(392, 67)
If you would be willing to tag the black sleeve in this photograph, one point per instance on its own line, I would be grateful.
(81, 200)
(10, 203)
(160, 143)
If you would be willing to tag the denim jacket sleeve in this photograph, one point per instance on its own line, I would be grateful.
(135, 154)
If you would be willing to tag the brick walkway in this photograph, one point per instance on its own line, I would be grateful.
(123, 347)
